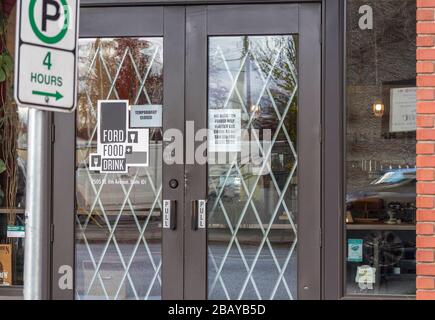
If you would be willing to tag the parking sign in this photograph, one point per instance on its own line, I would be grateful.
(46, 54)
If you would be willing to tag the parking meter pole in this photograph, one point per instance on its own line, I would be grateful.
(37, 241)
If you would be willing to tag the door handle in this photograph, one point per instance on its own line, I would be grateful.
(194, 222)
(170, 214)
(198, 214)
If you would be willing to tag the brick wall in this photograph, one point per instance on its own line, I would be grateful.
(426, 149)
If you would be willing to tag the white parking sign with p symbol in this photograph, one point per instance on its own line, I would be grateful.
(47, 32)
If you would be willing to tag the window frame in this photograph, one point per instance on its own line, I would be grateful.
(343, 140)
(333, 131)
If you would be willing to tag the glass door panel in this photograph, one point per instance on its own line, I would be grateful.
(118, 216)
(260, 235)
(254, 82)
(252, 194)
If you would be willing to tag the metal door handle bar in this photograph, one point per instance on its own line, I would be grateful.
(194, 215)
(170, 214)
(198, 214)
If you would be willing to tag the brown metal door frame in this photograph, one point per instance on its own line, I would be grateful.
(309, 144)
(173, 117)
(305, 20)
(195, 263)
(166, 22)
(185, 31)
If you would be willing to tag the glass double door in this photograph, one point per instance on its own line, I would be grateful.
(228, 204)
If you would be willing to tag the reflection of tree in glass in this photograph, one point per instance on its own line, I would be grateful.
(248, 61)
(115, 69)
(258, 74)
(282, 82)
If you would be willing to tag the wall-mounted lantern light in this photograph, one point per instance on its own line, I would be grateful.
(378, 109)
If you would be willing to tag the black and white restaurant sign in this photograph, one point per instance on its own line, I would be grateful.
(119, 146)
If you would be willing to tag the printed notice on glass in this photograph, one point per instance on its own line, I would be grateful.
(146, 116)
(355, 250)
(403, 103)
(225, 130)
(365, 277)
(16, 232)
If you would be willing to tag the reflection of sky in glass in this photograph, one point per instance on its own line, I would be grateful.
(229, 65)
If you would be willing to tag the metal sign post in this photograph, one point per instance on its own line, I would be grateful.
(45, 79)
(36, 253)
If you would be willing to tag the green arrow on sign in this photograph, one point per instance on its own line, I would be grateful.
(56, 95)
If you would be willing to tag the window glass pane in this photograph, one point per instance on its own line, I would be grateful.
(252, 202)
(380, 149)
(118, 216)
(13, 155)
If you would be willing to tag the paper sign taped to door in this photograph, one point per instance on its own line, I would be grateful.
(225, 130)
(146, 116)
